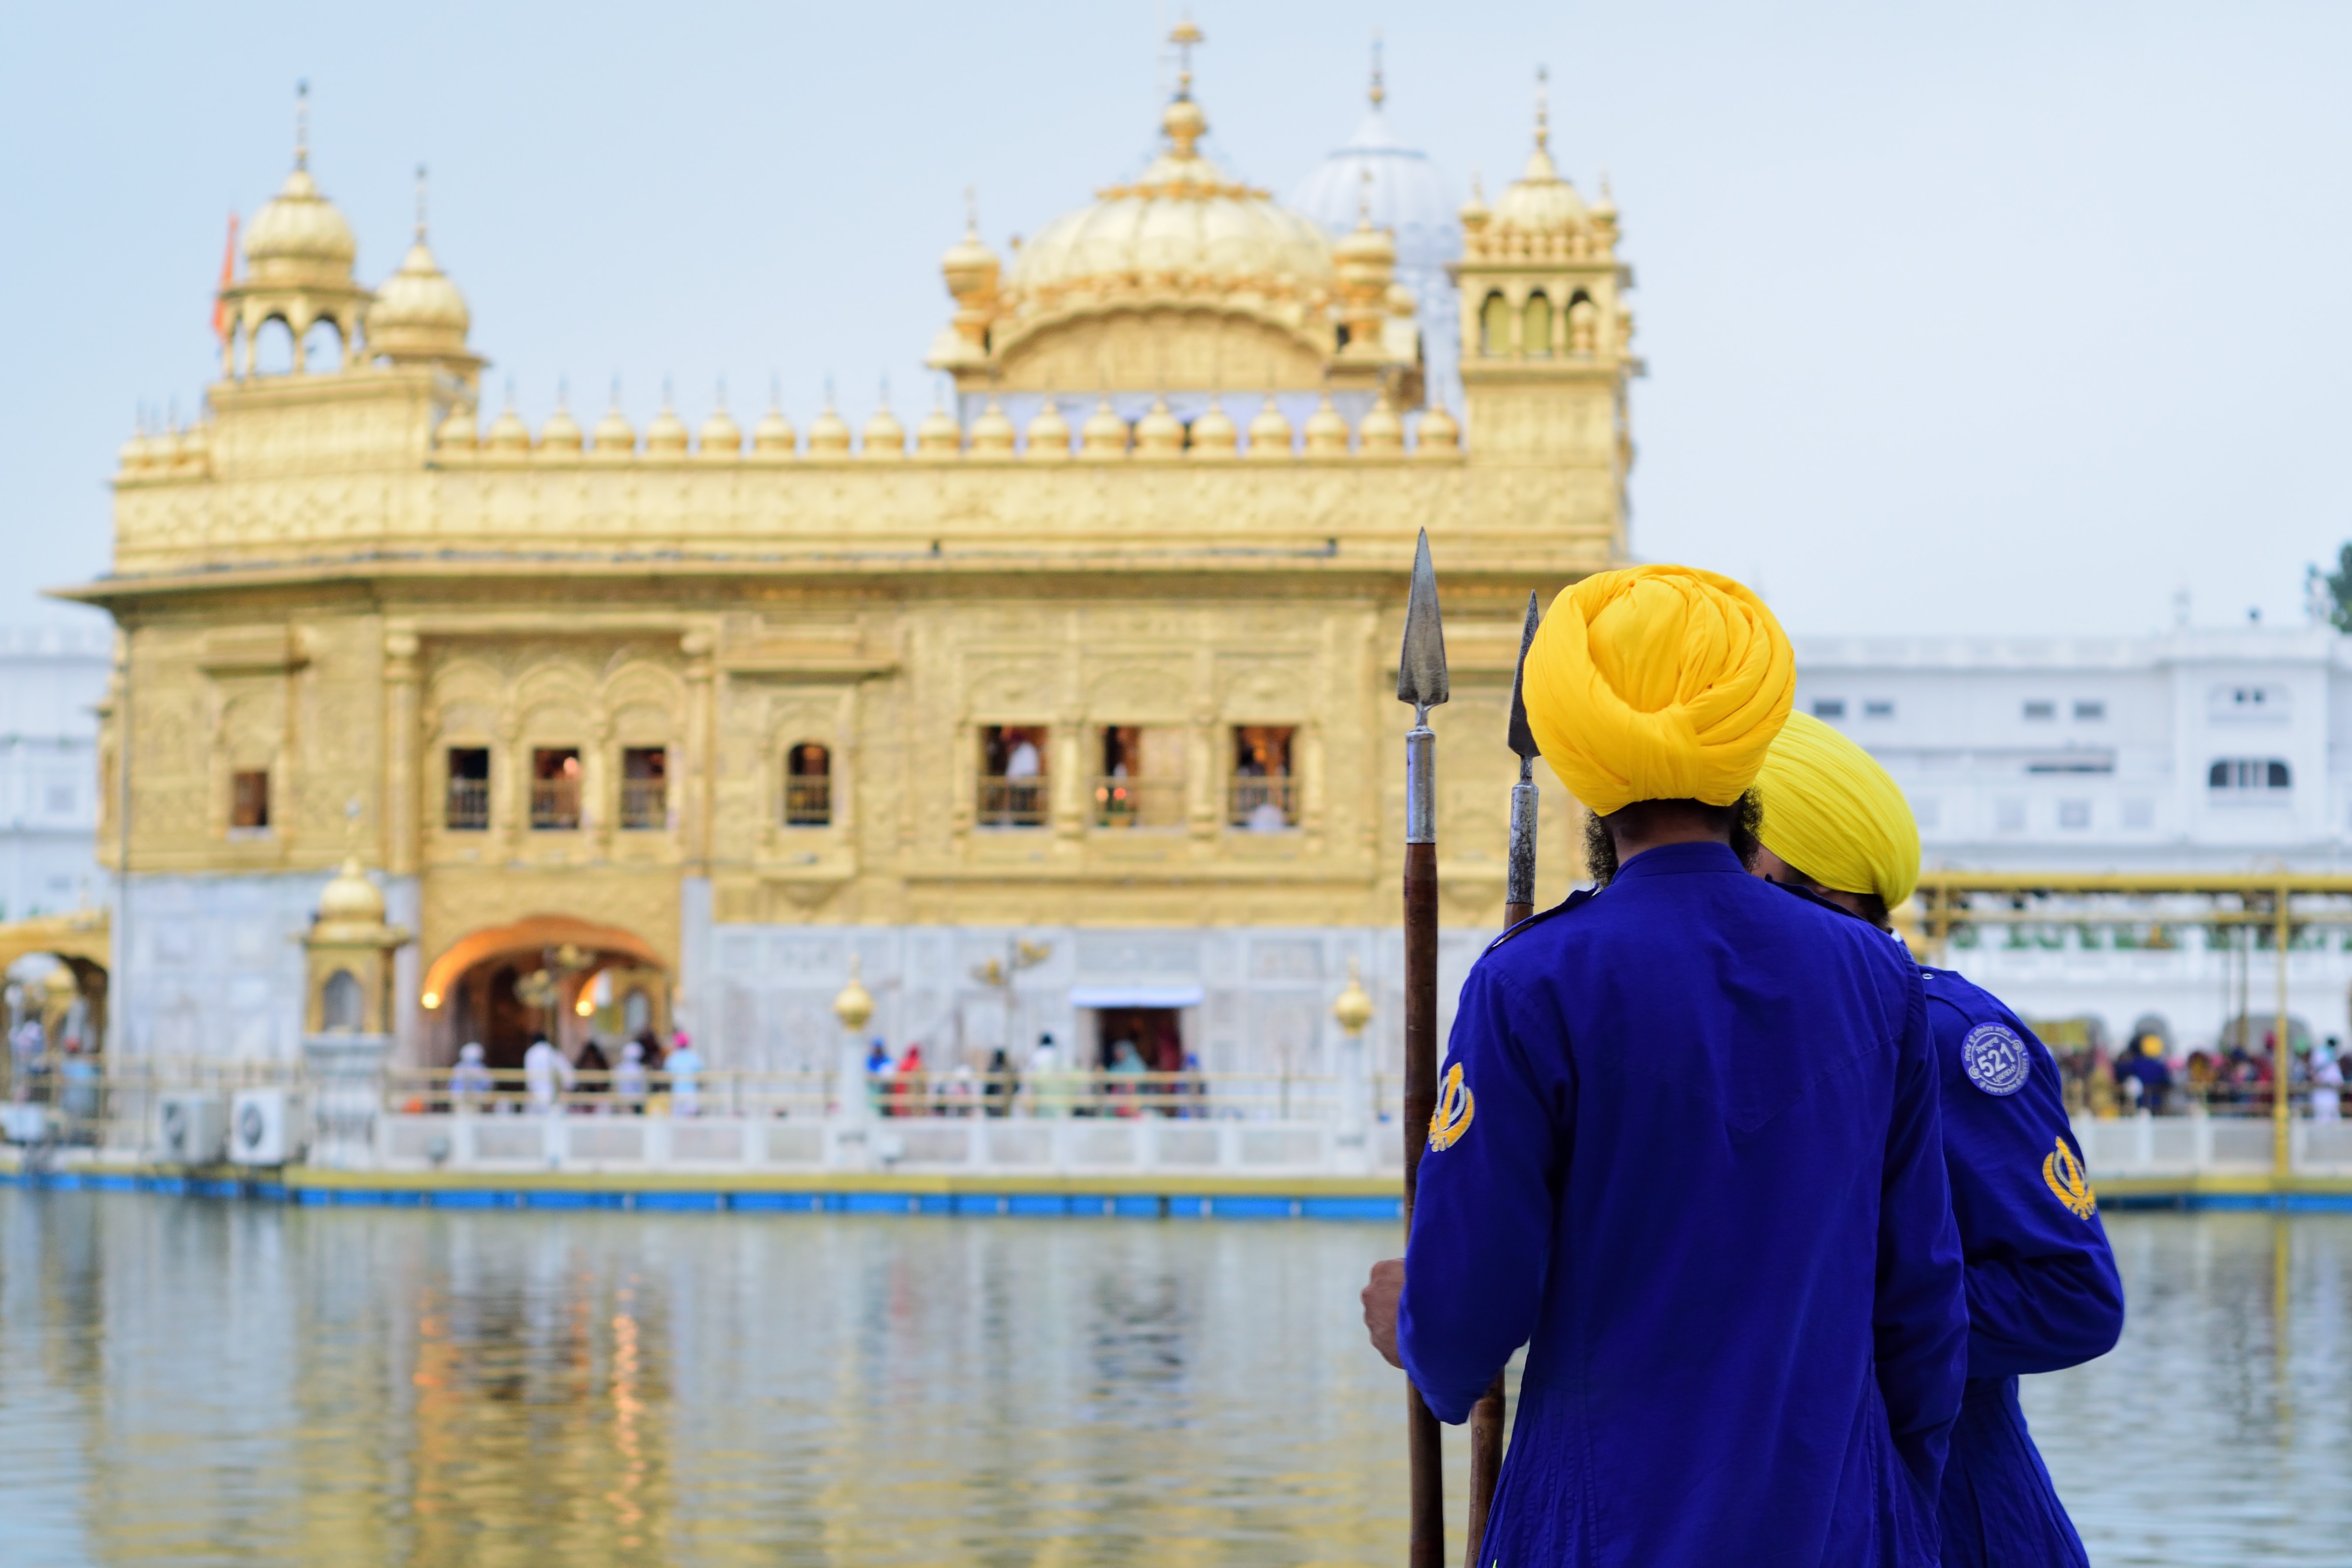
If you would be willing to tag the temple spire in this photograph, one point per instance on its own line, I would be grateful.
(302, 124)
(1380, 94)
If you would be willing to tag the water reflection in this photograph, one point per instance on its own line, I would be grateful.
(195, 1382)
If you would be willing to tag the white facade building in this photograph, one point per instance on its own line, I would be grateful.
(51, 680)
(2195, 750)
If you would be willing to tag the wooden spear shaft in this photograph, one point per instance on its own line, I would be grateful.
(1421, 681)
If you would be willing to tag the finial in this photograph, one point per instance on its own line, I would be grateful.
(828, 391)
(886, 389)
(667, 399)
(1185, 36)
(302, 124)
(775, 392)
(1380, 92)
(1607, 200)
(420, 203)
(511, 392)
(1543, 108)
(1364, 199)
(972, 212)
(722, 394)
(563, 391)
(616, 392)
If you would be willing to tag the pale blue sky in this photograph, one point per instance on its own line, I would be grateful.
(2003, 317)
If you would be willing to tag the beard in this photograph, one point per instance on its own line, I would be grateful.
(1740, 821)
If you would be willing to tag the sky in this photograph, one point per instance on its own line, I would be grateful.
(2001, 318)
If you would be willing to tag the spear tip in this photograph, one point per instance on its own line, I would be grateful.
(1523, 739)
(1420, 667)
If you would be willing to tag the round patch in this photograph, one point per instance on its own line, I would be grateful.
(1995, 1061)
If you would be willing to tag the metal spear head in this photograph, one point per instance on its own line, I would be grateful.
(1421, 667)
(1523, 739)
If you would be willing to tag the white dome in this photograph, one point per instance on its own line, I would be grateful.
(1405, 194)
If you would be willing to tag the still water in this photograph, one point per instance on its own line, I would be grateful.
(198, 1382)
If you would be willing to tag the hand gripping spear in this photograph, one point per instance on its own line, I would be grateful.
(1421, 681)
(1486, 1417)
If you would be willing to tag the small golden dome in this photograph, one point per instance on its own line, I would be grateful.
(854, 1004)
(1326, 432)
(196, 446)
(828, 434)
(883, 439)
(1049, 436)
(299, 237)
(1383, 432)
(721, 440)
(508, 436)
(135, 454)
(457, 432)
(773, 440)
(938, 438)
(970, 267)
(1213, 435)
(1539, 201)
(418, 314)
(1353, 1009)
(666, 437)
(350, 899)
(616, 439)
(559, 438)
(1475, 213)
(1269, 432)
(1159, 434)
(1103, 437)
(992, 433)
(1401, 301)
(1439, 436)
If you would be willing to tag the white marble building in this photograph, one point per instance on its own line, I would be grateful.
(51, 679)
(2196, 749)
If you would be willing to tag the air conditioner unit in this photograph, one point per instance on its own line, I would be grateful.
(25, 1123)
(262, 1127)
(191, 1129)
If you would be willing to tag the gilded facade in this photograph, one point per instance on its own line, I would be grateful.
(1101, 656)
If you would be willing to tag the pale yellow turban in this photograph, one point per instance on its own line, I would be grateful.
(1833, 812)
(1657, 683)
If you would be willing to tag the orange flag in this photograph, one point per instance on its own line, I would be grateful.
(227, 279)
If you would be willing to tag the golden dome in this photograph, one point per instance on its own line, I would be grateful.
(1103, 437)
(721, 440)
(299, 236)
(1381, 434)
(1439, 436)
(1475, 211)
(1326, 432)
(509, 434)
(665, 436)
(1539, 201)
(883, 439)
(1159, 434)
(1213, 434)
(350, 899)
(418, 312)
(457, 432)
(828, 434)
(559, 438)
(135, 456)
(938, 438)
(1269, 432)
(992, 433)
(970, 267)
(1049, 436)
(773, 440)
(616, 439)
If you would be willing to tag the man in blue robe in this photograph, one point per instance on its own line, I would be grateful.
(2043, 1288)
(1686, 1149)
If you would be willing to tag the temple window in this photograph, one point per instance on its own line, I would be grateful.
(467, 808)
(644, 787)
(1535, 334)
(555, 788)
(1013, 785)
(339, 1003)
(808, 786)
(248, 800)
(1494, 326)
(1260, 795)
(1142, 780)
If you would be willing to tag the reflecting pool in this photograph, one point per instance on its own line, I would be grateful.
(188, 1381)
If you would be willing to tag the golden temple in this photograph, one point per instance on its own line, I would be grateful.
(1103, 657)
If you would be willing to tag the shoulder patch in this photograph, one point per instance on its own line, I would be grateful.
(1995, 1058)
(1455, 1106)
(2064, 1175)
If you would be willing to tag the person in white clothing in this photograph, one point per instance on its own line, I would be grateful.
(684, 1065)
(546, 1072)
(2327, 1084)
(470, 1085)
(629, 1079)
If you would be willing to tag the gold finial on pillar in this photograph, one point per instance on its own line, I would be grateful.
(1354, 1008)
(854, 1004)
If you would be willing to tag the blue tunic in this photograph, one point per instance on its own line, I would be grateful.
(1687, 1151)
(2042, 1290)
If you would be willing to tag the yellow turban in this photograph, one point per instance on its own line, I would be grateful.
(1657, 683)
(1833, 812)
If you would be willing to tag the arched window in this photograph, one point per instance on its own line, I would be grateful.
(273, 347)
(339, 1003)
(808, 786)
(1494, 326)
(2249, 773)
(322, 347)
(1535, 332)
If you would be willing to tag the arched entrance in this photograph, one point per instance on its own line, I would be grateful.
(56, 974)
(556, 974)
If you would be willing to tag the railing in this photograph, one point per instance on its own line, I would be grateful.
(808, 802)
(1260, 803)
(1012, 802)
(468, 807)
(1126, 803)
(87, 1103)
(555, 804)
(645, 803)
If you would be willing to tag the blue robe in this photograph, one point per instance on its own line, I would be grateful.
(1687, 1152)
(2043, 1288)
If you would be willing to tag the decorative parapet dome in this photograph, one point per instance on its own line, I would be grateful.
(350, 900)
(299, 237)
(298, 252)
(1540, 217)
(419, 316)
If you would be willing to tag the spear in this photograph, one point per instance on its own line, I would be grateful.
(1486, 1417)
(1421, 681)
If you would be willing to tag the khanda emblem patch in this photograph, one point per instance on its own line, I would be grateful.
(2063, 1171)
(1455, 1106)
